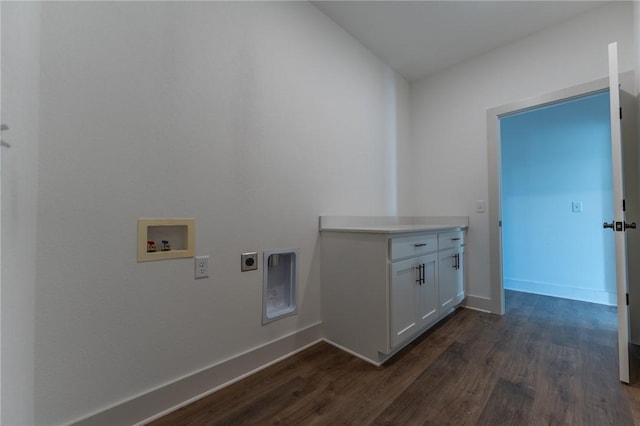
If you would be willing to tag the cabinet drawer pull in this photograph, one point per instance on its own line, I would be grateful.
(420, 245)
(456, 239)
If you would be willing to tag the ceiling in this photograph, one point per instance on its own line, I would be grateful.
(418, 38)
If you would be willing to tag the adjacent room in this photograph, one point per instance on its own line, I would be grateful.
(173, 174)
(557, 191)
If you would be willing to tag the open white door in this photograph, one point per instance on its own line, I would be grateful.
(618, 225)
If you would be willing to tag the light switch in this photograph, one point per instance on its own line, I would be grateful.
(576, 207)
(480, 206)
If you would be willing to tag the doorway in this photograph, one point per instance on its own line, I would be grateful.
(626, 185)
(556, 191)
(495, 173)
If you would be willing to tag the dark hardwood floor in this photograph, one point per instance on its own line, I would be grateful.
(548, 361)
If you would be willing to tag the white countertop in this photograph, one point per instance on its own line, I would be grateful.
(392, 229)
(391, 225)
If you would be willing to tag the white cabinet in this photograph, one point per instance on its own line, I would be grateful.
(413, 296)
(413, 292)
(450, 261)
(448, 264)
(382, 290)
(460, 276)
(428, 291)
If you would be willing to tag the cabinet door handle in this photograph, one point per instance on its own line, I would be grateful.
(420, 245)
(421, 274)
(456, 239)
(4, 127)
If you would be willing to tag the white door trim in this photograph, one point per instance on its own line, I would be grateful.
(494, 172)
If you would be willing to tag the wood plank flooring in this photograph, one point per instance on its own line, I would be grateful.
(547, 361)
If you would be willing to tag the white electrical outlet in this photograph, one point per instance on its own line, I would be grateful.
(201, 267)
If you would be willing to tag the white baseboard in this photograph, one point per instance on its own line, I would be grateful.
(478, 303)
(161, 401)
(551, 289)
(349, 351)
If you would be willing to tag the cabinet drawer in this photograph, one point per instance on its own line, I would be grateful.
(450, 239)
(413, 246)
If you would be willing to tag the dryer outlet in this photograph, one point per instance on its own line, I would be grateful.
(249, 261)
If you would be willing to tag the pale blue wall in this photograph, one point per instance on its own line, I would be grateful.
(552, 157)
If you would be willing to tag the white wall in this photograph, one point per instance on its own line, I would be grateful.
(449, 124)
(254, 118)
(552, 157)
(20, 73)
(636, 27)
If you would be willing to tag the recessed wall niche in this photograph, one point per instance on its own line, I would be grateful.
(280, 282)
(165, 238)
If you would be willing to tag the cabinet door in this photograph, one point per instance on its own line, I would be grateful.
(459, 276)
(447, 276)
(428, 290)
(403, 300)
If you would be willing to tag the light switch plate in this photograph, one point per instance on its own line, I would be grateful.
(576, 207)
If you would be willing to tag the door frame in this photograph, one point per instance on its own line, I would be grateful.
(494, 168)
(626, 79)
